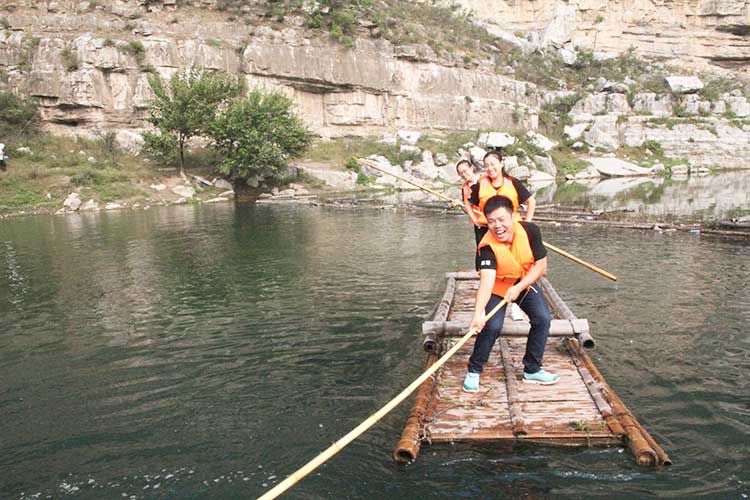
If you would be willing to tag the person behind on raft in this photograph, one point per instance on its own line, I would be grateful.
(466, 171)
(511, 258)
(495, 182)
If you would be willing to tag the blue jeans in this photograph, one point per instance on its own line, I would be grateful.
(533, 303)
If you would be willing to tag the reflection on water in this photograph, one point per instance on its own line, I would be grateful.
(207, 352)
(707, 198)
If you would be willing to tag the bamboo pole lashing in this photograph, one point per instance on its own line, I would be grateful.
(459, 204)
(336, 447)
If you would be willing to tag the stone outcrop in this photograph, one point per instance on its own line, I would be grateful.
(698, 32)
(363, 90)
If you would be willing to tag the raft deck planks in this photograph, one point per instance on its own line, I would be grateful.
(580, 410)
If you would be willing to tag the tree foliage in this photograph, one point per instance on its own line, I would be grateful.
(258, 136)
(184, 108)
(18, 117)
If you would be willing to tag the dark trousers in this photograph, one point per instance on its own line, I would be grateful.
(535, 306)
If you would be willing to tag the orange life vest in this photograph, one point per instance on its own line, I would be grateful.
(487, 191)
(513, 261)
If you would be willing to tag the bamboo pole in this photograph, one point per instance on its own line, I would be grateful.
(336, 447)
(581, 262)
(457, 203)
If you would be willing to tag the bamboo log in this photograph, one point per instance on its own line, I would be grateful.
(432, 339)
(517, 420)
(584, 337)
(558, 328)
(463, 275)
(336, 447)
(629, 423)
(407, 448)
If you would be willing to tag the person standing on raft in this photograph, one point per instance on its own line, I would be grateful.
(494, 182)
(511, 258)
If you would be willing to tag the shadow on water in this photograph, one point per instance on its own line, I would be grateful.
(207, 352)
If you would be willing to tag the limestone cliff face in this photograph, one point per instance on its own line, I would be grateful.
(698, 31)
(360, 90)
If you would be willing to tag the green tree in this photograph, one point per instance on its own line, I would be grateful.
(184, 108)
(18, 117)
(257, 136)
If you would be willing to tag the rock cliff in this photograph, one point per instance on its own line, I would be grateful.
(90, 70)
(713, 32)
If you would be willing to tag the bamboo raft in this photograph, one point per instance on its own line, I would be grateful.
(580, 410)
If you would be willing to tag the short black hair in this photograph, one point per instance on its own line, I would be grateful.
(464, 161)
(497, 154)
(498, 202)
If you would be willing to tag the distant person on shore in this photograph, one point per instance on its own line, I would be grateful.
(495, 182)
(511, 258)
(2, 157)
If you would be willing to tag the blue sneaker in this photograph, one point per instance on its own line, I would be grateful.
(541, 377)
(471, 382)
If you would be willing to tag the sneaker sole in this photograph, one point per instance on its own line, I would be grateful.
(540, 382)
(470, 390)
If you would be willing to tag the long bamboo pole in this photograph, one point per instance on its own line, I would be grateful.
(459, 204)
(372, 420)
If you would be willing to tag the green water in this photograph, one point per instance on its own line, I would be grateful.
(207, 352)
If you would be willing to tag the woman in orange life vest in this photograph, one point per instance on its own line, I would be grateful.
(494, 182)
(466, 171)
(511, 258)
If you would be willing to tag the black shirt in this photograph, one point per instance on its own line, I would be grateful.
(523, 193)
(486, 257)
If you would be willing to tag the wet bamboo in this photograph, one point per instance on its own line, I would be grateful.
(517, 420)
(459, 204)
(407, 447)
(336, 447)
(621, 411)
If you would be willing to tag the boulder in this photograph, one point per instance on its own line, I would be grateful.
(426, 169)
(406, 148)
(441, 159)
(545, 164)
(90, 205)
(158, 187)
(684, 84)
(183, 191)
(540, 141)
(614, 167)
(510, 163)
(592, 104)
(223, 184)
(604, 56)
(408, 137)
(520, 172)
(23, 150)
(537, 176)
(568, 57)
(603, 133)
(739, 106)
(477, 154)
(499, 140)
(589, 172)
(574, 132)
(72, 202)
(129, 141)
(112, 206)
(652, 104)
